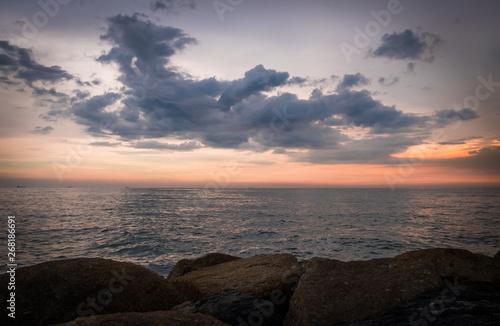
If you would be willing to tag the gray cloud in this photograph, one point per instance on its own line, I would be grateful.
(19, 63)
(448, 116)
(256, 80)
(233, 114)
(408, 45)
(174, 6)
(485, 159)
(153, 144)
(350, 81)
(388, 81)
(376, 150)
(105, 144)
(42, 130)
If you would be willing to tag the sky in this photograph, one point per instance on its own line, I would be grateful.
(239, 93)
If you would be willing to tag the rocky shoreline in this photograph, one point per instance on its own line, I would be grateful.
(424, 287)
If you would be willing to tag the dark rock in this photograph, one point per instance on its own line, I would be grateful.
(459, 263)
(235, 308)
(265, 277)
(185, 266)
(332, 291)
(60, 291)
(156, 318)
(497, 255)
(459, 303)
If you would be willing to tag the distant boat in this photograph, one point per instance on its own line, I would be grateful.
(69, 187)
(21, 186)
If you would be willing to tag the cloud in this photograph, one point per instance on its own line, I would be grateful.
(141, 47)
(448, 116)
(376, 150)
(461, 141)
(484, 159)
(42, 130)
(255, 81)
(408, 45)
(105, 144)
(19, 63)
(174, 6)
(153, 144)
(162, 102)
(388, 81)
(350, 81)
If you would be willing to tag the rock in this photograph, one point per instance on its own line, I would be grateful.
(265, 277)
(235, 308)
(459, 263)
(60, 291)
(185, 266)
(156, 318)
(331, 291)
(497, 255)
(465, 303)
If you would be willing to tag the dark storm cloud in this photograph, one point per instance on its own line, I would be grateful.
(408, 45)
(42, 130)
(158, 101)
(19, 62)
(151, 45)
(256, 80)
(92, 112)
(350, 81)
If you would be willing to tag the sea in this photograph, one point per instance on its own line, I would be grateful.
(156, 228)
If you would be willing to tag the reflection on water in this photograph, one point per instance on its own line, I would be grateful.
(157, 227)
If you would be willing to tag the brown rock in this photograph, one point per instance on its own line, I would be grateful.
(60, 291)
(459, 263)
(185, 266)
(156, 318)
(331, 291)
(262, 276)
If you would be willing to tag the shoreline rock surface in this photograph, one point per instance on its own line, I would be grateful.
(432, 286)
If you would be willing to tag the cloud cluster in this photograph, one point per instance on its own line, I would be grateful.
(19, 63)
(408, 45)
(350, 81)
(158, 101)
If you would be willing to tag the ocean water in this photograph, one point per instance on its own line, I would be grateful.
(157, 227)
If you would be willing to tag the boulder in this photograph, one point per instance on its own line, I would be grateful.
(264, 276)
(459, 263)
(185, 266)
(60, 291)
(331, 291)
(156, 318)
(235, 308)
(462, 303)
(497, 255)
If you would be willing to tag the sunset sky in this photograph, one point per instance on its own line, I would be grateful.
(238, 93)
